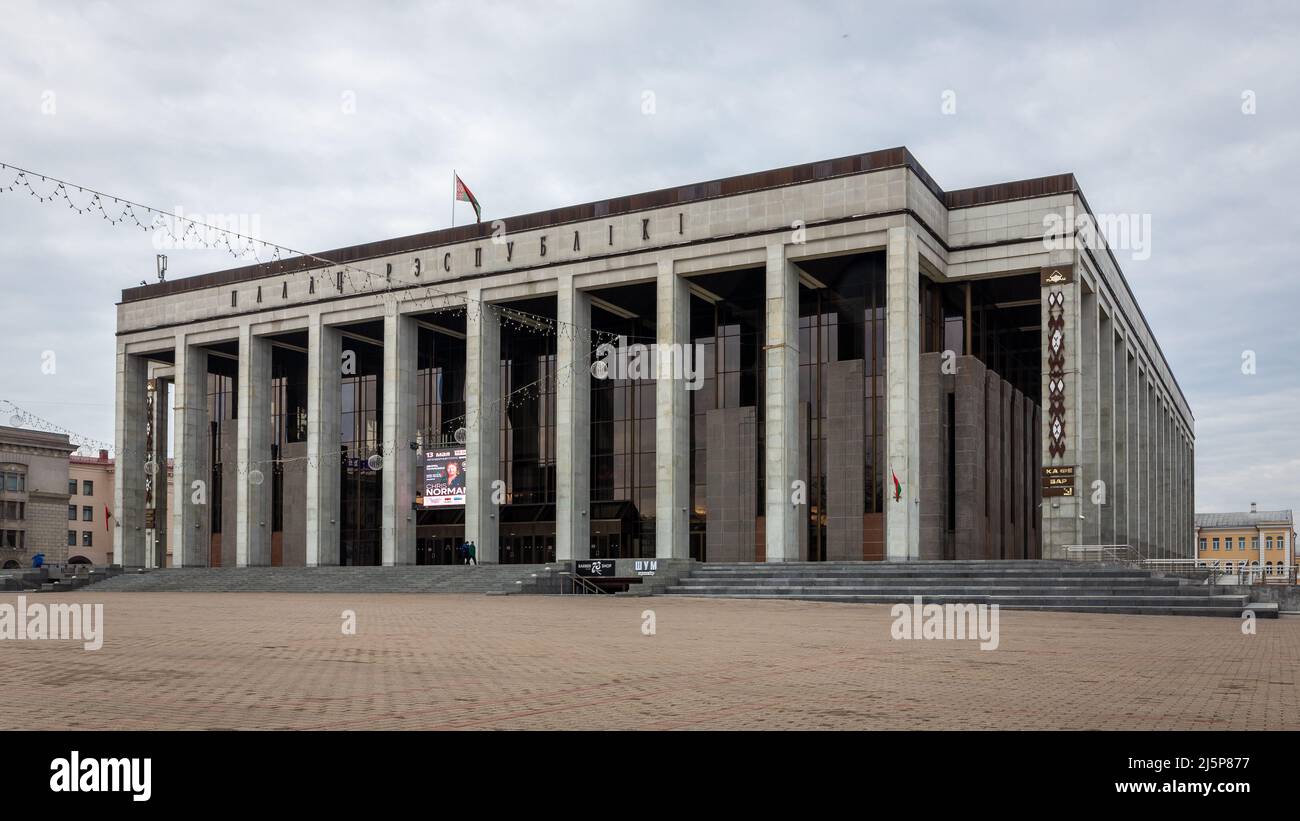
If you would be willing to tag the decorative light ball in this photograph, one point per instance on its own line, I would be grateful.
(255, 477)
(461, 436)
(150, 467)
(16, 420)
(376, 462)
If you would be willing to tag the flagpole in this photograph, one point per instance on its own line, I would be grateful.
(453, 198)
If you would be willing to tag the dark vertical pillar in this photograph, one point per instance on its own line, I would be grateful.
(992, 547)
(970, 468)
(934, 444)
(845, 456)
(730, 485)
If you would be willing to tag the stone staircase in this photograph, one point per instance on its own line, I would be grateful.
(1017, 585)
(485, 578)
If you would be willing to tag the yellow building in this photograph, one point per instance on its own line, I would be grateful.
(1259, 539)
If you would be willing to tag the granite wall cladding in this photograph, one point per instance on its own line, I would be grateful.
(730, 485)
(983, 462)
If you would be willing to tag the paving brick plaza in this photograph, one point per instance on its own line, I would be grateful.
(280, 661)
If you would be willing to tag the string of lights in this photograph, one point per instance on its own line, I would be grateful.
(164, 221)
(125, 211)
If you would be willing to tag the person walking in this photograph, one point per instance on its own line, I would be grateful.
(463, 550)
(473, 554)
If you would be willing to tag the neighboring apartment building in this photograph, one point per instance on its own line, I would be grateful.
(33, 493)
(1260, 538)
(90, 505)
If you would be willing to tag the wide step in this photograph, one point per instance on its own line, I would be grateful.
(1015, 585)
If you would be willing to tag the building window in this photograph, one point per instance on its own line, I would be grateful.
(13, 480)
(1241, 543)
(87, 538)
(16, 511)
(87, 487)
(72, 487)
(1254, 543)
(87, 514)
(1268, 543)
(1216, 544)
(72, 513)
(1202, 545)
(12, 539)
(72, 538)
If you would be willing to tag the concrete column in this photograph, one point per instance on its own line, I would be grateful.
(162, 412)
(1089, 372)
(1137, 500)
(482, 425)
(1061, 525)
(1105, 512)
(1153, 489)
(902, 380)
(129, 475)
(253, 452)
(1167, 442)
(397, 479)
(1120, 495)
(324, 389)
(1191, 485)
(781, 410)
(192, 494)
(672, 422)
(573, 422)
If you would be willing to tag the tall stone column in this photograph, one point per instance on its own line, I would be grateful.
(397, 478)
(781, 411)
(1152, 461)
(324, 389)
(1137, 500)
(573, 422)
(483, 403)
(1171, 474)
(129, 474)
(672, 421)
(903, 391)
(192, 496)
(1090, 423)
(253, 448)
(1120, 495)
(161, 480)
(1105, 512)
(1063, 388)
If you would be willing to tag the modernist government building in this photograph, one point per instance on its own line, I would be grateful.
(887, 371)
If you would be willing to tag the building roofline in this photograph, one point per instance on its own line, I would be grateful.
(851, 165)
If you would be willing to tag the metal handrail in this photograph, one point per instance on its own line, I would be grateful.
(1185, 566)
(586, 585)
(1103, 552)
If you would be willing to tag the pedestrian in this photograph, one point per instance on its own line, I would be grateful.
(463, 550)
(473, 554)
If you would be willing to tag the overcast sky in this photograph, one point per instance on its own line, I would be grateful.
(330, 126)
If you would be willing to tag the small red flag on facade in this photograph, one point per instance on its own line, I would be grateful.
(898, 488)
(465, 195)
(107, 515)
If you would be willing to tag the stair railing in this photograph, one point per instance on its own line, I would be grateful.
(586, 585)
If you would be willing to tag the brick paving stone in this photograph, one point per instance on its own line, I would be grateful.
(281, 661)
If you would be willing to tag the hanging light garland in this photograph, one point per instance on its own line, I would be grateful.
(126, 212)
